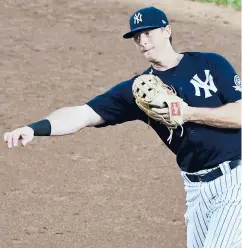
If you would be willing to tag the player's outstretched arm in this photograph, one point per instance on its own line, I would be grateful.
(63, 121)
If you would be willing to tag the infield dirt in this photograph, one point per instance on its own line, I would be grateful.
(115, 187)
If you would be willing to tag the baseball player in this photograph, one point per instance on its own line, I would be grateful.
(209, 149)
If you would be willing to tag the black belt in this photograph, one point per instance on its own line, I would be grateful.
(210, 176)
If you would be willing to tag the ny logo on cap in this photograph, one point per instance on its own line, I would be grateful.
(137, 18)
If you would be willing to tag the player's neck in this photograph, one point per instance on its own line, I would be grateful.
(169, 60)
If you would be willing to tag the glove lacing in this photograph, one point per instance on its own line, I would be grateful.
(170, 130)
(171, 133)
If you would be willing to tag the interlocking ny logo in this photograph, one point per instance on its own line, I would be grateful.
(137, 18)
(206, 85)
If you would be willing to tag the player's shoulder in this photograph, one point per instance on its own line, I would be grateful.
(123, 89)
(208, 57)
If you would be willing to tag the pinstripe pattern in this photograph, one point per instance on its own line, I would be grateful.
(214, 210)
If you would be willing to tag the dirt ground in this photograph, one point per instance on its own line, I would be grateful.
(115, 187)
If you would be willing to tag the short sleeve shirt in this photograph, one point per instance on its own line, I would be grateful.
(201, 80)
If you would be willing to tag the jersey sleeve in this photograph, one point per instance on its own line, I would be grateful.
(228, 81)
(117, 105)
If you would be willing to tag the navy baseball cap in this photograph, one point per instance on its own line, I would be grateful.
(146, 18)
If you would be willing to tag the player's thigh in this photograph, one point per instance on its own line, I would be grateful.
(224, 230)
(197, 226)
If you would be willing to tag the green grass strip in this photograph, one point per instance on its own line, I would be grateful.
(234, 3)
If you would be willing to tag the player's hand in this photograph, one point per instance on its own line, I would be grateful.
(163, 110)
(18, 136)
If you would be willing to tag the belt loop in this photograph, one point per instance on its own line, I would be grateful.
(225, 167)
(184, 176)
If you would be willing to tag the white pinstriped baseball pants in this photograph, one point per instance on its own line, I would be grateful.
(214, 210)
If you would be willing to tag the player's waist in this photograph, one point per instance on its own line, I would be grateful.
(211, 174)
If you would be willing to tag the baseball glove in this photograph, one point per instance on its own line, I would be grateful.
(150, 92)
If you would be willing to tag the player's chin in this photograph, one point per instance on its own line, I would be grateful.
(149, 57)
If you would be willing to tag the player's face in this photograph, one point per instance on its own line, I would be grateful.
(152, 42)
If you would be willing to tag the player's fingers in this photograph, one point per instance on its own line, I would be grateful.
(158, 106)
(5, 136)
(161, 110)
(16, 136)
(24, 141)
(10, 140)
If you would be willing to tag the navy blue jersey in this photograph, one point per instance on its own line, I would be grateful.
(201, 80)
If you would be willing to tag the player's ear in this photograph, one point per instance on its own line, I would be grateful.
(167, 31)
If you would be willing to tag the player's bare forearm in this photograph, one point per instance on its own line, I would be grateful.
(69, 120)
(62, 121)
(227, 116)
